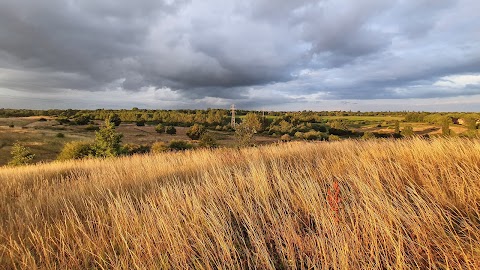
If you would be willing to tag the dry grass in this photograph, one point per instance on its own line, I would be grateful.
(403, 204)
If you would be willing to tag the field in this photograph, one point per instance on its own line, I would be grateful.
(40, 136)
(378, 204)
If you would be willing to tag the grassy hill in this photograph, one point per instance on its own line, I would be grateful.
(341, 205)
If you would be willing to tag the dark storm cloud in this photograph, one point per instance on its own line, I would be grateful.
(249, 52)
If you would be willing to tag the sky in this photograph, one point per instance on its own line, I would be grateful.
(369, 55)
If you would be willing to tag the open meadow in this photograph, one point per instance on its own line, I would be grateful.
(373, 204)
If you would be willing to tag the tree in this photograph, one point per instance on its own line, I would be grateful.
(253, 121)
(244, 134)
(408, 131)
(171, 130)
(397, 127)
(107, 141)
(115, 119)
(245, 131)
(195, 131)
(446, 126)
(160, 128)
(208, 140)
(21, 155)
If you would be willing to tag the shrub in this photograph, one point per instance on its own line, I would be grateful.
(407, 131)
(179, 145)
(140, 123)
(368, 135)
(160, 128)
(76, 150)
(311, 135)
(208, 140)
(60, 135)
(159, 147)
(82, 120)
(299, 135)
(21, 155)
(333, 138)
(131, 149)
(195, 131)
(92, 127)
(171, 130)
(115, 119)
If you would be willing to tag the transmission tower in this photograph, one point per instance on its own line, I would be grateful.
(232, 122)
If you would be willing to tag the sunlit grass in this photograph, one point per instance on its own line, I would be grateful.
(401, 204)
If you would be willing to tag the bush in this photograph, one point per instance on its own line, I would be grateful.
(160, 128)
(131, 149)
(333, 138)
(195, 131)
(159, 147)
(368, 135)
(312, 135)
(299, 135)
(179, 145)
(115, 119)
(407, 131)
(60, 135)
(208, 140)
(285, 138)
(82, 120)
(171, 130)
(76, 150)
(21, 155)
(92, 127)
(140, 123)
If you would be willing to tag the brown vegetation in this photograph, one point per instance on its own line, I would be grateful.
(392, 205)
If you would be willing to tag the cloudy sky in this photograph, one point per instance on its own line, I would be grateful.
(272, 54)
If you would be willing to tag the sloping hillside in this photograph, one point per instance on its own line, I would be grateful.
(341, 205)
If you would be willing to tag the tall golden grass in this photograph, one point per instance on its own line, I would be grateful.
(402, 204)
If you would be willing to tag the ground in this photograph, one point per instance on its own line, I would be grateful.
(41, 135)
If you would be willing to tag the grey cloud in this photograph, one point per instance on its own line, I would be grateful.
(234, 50)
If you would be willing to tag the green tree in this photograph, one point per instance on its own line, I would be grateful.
(408, 131)
(253, 121)
(446, 126)
(195, 131)
(160, 128)
(208, 140)
(244, 134)
(115, 119)
(171, 130)
(21, 155)
(107, 141)
(245, 131)
(397, 127)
